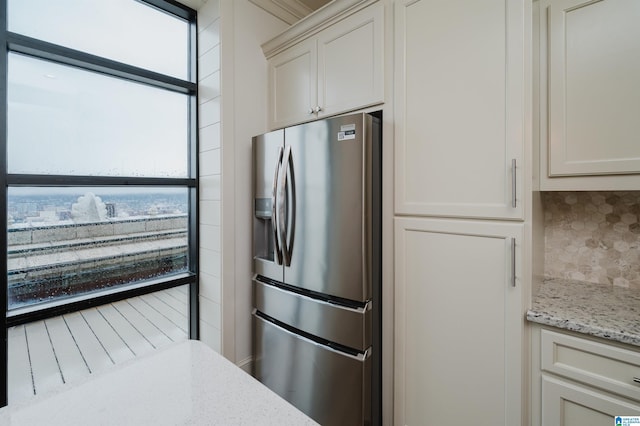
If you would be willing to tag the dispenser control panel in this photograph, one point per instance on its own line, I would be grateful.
(263, 207)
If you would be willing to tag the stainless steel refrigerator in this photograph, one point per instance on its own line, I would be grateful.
(317, 267)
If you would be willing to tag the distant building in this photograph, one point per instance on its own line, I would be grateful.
(88, 208)
(64, 215)
(111, 209)
(49, 216)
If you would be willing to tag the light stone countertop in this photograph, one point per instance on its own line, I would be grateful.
(608, 312)
(185, 383)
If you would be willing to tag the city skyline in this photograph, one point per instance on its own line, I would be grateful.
(52, 207)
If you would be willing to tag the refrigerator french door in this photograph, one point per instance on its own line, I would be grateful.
(317, 253)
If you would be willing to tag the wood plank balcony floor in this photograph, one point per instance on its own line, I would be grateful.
(45, 355)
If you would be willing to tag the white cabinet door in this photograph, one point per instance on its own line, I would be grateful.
(350, 62)
(336, 69)
(594, 87)
(460, 91)
(566, 404)
(293, 85)
(459, 325)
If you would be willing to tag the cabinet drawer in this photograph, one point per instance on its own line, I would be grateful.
(597, 364)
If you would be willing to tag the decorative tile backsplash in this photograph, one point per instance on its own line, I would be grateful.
(593, 236)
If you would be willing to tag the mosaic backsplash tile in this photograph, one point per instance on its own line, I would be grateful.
(593, 237)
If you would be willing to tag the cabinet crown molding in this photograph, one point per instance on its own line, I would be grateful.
(312, 24)
(290, 11)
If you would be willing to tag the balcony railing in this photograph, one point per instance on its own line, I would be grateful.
(47, 263)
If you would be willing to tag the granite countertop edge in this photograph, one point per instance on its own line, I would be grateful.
(607, 312)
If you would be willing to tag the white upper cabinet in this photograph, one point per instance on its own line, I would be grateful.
(292, 84)
(460, 107)
(350, 62)
(590, 71)
(338, 68)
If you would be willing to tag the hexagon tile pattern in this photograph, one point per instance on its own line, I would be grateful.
(593, 237)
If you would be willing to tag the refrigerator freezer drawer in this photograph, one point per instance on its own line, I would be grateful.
(346, 326)
(329, 386)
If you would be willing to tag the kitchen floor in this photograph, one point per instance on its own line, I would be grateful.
(45, 355)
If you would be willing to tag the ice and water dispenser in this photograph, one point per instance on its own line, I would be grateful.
(266, 151)
(263, 229)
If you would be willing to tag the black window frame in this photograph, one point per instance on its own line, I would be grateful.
(43, 50)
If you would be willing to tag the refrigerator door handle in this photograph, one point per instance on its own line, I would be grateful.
(284, 210)
(274, 212)
(290, 193)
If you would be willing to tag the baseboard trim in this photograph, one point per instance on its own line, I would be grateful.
(246, 364)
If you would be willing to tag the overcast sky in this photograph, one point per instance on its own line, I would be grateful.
(63, 120)
(112, 28)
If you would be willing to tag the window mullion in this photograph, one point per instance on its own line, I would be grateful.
(3, 211)
(63, 55)
(70, 180)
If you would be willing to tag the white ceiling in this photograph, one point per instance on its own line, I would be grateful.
(289, 11)
(193, 4)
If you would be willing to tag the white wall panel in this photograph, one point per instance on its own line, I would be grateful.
(210, 172)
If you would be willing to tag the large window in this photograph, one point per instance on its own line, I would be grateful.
(87, 123)
(99, 154)
(71, 241)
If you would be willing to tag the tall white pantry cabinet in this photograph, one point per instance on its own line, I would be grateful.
(462, 179)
